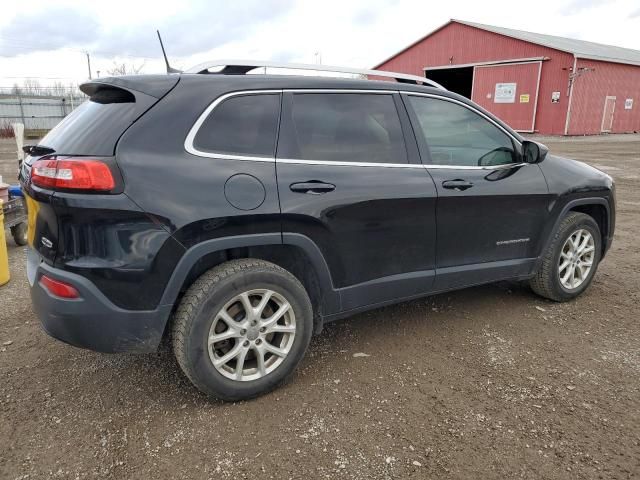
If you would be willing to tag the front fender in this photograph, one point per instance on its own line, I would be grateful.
(561, 208)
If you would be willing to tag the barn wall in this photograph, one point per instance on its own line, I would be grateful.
(590, 90)
(518, 115)
(471, 45)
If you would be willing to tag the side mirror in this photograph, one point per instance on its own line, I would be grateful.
(533, 152)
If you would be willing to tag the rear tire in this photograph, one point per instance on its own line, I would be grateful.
(225, 337)
(19, 234)
(553, 279)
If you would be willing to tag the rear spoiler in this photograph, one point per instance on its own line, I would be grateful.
(153, 85)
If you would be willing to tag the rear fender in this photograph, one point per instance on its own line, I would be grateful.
(330, 297)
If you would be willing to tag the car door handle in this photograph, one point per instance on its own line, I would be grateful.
(312, 187)
(457, 184)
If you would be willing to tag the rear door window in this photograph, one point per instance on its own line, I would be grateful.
(344, 127)
(241, 125)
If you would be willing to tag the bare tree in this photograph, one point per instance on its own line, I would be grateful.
(57, 89)
(74, 90)
(31, 86)
(125, 69)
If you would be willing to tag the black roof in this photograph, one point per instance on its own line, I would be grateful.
(150, 83)
(218, 84)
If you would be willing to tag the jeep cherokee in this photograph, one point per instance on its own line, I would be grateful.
(236, 214)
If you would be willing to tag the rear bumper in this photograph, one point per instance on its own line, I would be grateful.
(92, 321)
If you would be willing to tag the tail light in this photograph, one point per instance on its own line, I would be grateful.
(73, 174)
(58, 288)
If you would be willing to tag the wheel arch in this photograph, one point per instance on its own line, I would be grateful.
(600, 213)
(295, 253)
(596, 207)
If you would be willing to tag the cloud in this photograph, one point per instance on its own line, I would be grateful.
(635, 14)
(50, 30)
(577, 6)
(195, 31)
(200, 27)
(284, 55)
(373, 10)
(365, 17)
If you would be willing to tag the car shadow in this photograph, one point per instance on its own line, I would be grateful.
(158, 375)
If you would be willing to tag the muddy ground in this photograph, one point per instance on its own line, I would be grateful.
(489, 382)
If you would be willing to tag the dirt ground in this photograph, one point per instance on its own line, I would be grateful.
(488, 382)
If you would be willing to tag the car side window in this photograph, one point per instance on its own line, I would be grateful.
(344, 127)
(458, 136)
(241, 125)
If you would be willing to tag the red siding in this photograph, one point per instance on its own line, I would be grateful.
(551, 117)
(525, 75)
(590, 90)
(472, 45)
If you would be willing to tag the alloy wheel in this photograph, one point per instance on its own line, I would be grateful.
(576, 259)
(251, 335)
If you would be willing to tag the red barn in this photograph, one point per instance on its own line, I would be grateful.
(534, 82)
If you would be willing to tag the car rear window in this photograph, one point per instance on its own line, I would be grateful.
(95, 126)
(241, 125)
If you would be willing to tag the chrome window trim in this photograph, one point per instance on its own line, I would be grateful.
(339, 90)
(188, 142)
(190, 148)
(468, 107)
(504, 166)
(293, 161)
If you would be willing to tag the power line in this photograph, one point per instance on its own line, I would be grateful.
(99, 53)
(34, 47)
(37, 77)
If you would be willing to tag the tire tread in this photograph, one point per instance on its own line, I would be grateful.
(542, 281)
(196, 295)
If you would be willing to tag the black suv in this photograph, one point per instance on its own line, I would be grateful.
(236, 214)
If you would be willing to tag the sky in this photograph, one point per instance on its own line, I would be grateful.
(50, 40)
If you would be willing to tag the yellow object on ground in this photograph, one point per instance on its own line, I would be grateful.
(4, 257)
(32, 214)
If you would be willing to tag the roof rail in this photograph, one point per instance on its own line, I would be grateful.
(241, 67)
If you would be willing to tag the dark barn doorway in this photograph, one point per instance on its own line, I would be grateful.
(459, 80)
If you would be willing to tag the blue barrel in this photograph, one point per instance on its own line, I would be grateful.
(14, 191)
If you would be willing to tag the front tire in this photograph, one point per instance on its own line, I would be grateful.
(242, 328)
(571, 260)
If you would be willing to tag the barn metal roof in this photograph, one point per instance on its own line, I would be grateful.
(580, 48)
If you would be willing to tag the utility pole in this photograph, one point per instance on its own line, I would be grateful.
(88, 64)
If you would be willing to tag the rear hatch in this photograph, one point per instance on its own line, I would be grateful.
(89, 134)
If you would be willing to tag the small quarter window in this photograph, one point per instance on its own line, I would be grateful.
(458, 136)
(345, 127)
(242, 125)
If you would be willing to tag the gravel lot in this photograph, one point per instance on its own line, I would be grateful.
(488, 382)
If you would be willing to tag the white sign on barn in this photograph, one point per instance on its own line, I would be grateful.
(505, 93)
